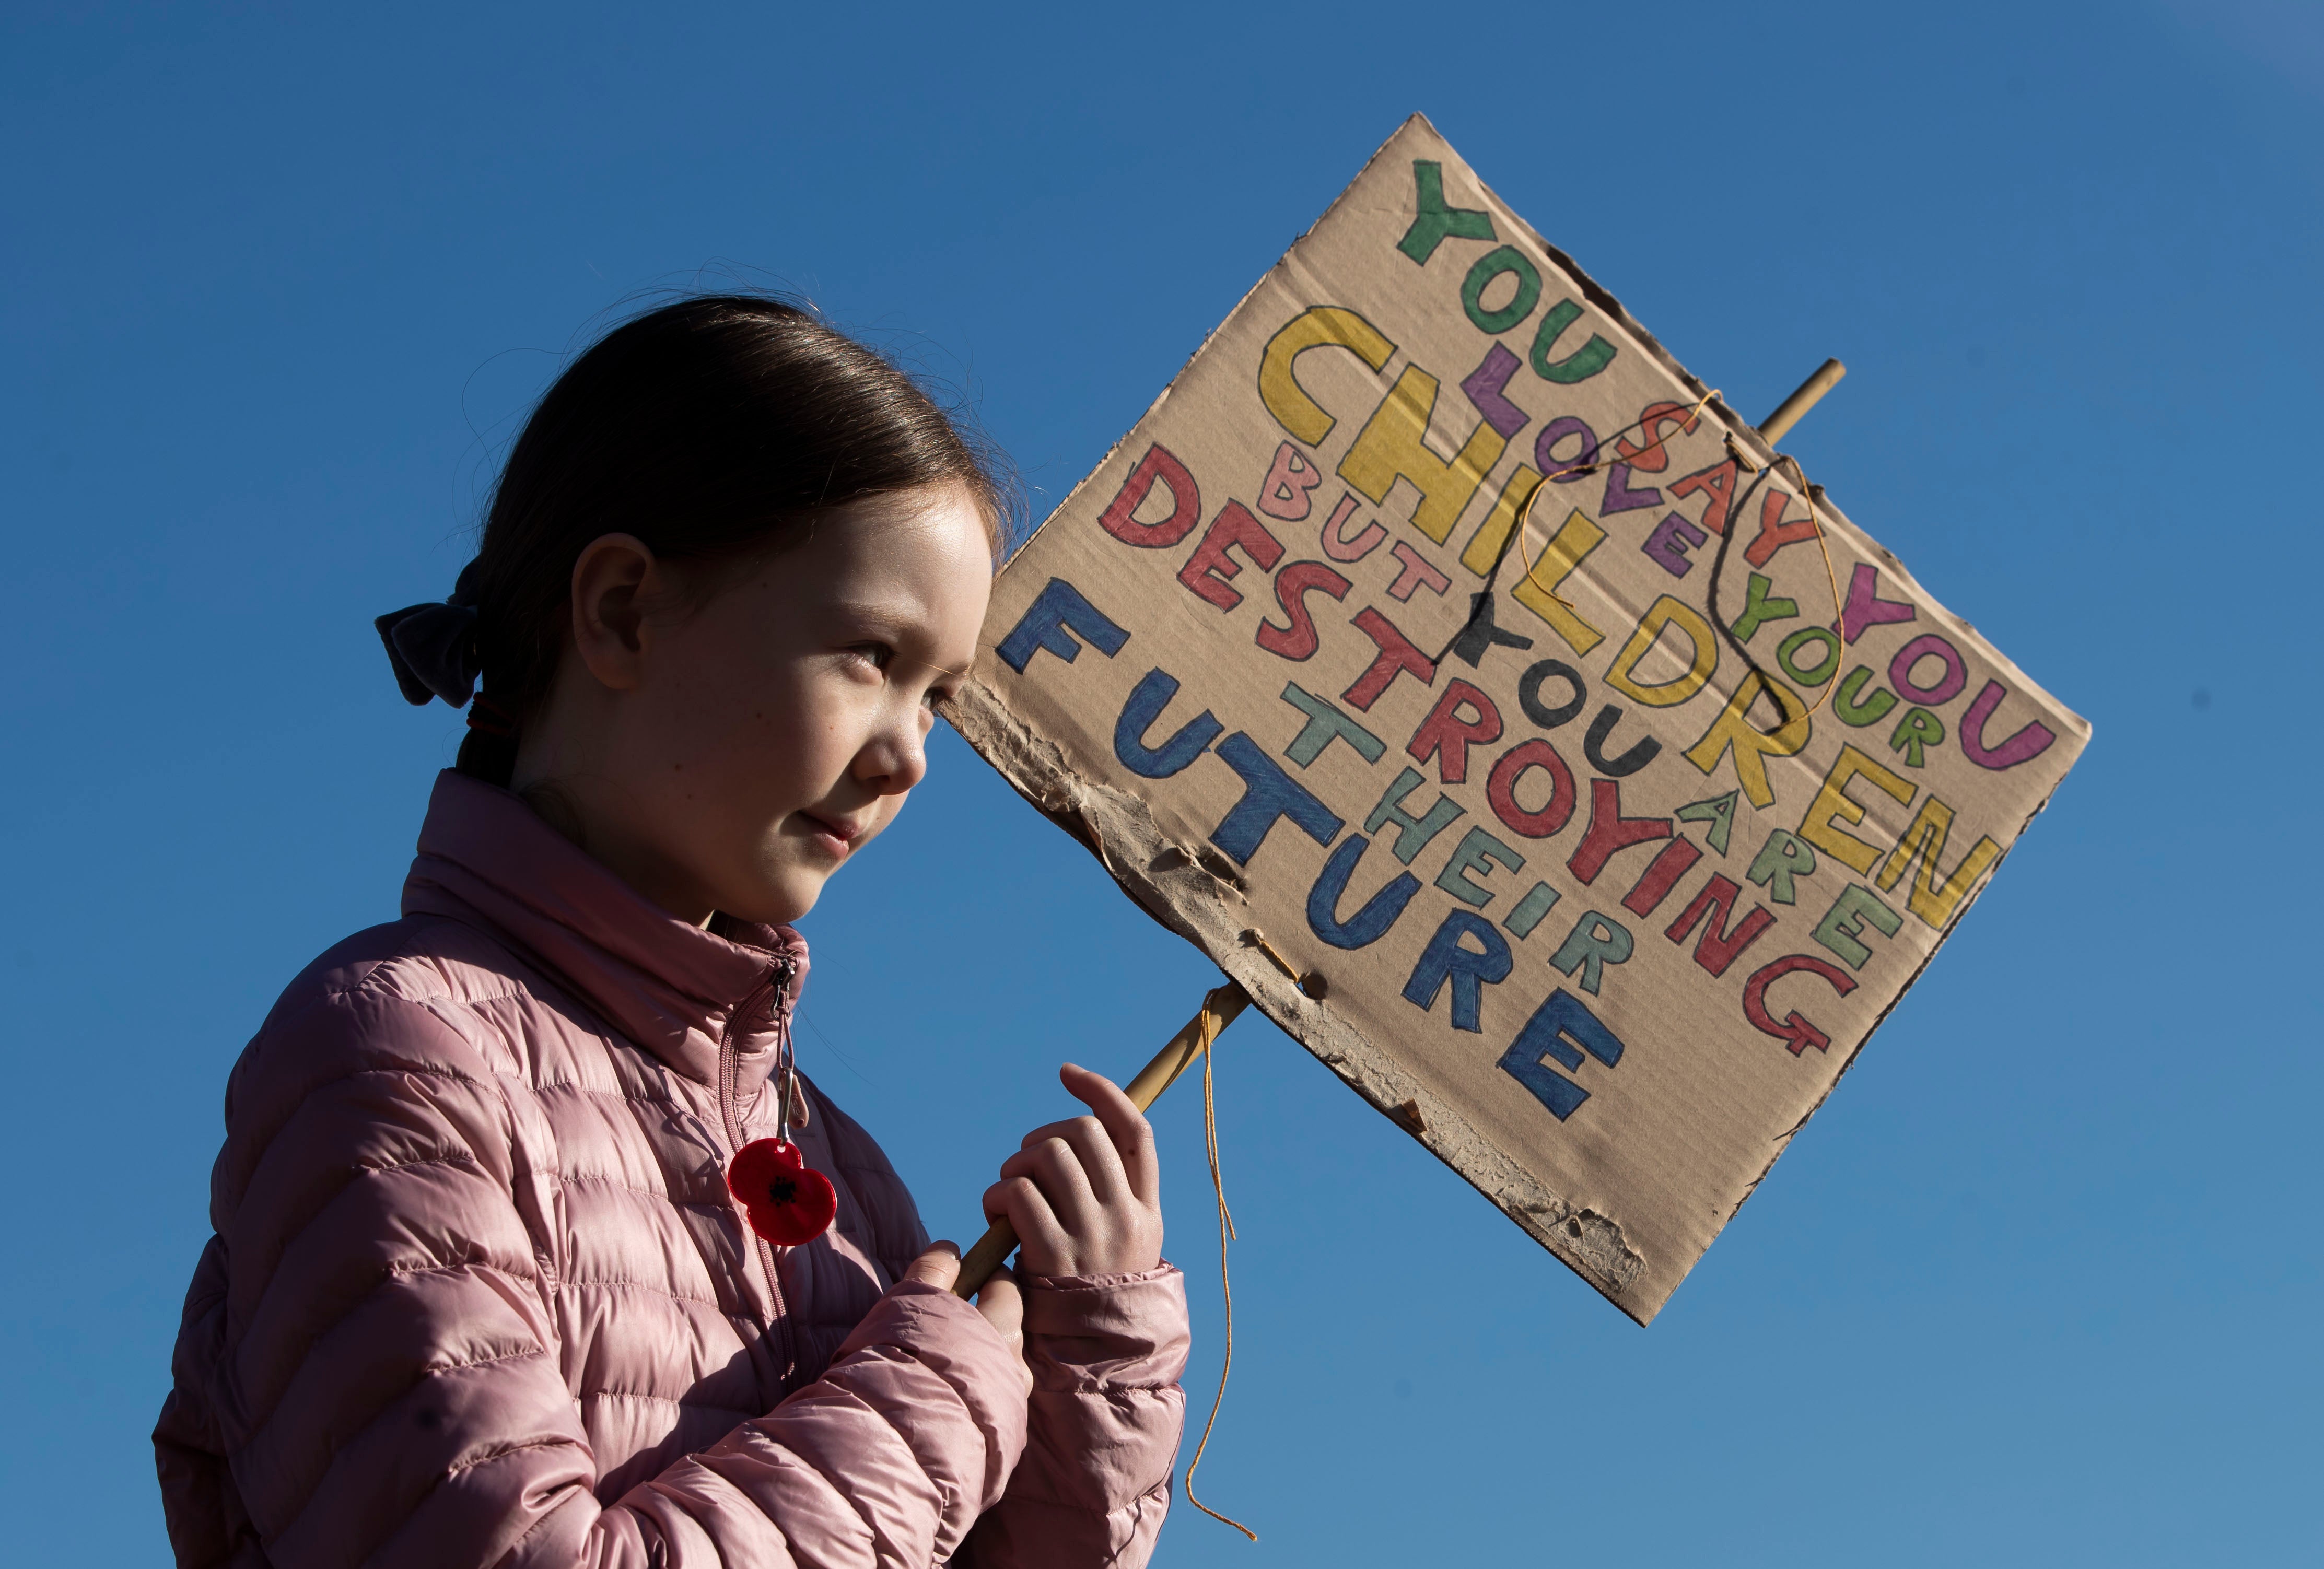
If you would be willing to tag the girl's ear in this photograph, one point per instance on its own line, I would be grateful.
(611, 579)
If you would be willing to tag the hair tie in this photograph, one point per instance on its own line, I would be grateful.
(486, 717)
(433, 646)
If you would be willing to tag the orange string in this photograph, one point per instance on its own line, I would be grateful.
(1226, 1231)
(1831, 574)
(1686, 422)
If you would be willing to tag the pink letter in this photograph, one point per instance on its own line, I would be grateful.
(2030, 743)
(1417, 574)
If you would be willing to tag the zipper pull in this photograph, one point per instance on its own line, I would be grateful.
(784, 971)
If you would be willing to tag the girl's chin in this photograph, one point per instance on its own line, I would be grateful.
(784, 899)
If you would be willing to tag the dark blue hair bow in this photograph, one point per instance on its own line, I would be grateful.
(433, 646)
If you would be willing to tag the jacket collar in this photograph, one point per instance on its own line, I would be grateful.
(488, 861)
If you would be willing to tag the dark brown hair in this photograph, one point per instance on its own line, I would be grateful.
(715, 426)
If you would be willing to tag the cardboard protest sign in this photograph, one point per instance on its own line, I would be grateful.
(1601, 879)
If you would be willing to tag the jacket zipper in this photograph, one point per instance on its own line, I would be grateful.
(771, 991)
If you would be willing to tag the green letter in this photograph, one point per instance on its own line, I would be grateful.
(1759, 607)
(1477, 847)
(1782, 859)
(1433, 220)
(1843, 924)
(1919, 728)
(1718, 811)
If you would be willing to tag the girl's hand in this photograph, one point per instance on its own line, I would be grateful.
(999, 1301)
(1084, 1194)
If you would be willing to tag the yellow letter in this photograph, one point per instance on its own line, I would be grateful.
(1280, 390)
(1662, 613)
(1753, 745)
(1392, 444)
(1932, 901)
(1485, 548)
(1537, 589)
(1819, 827)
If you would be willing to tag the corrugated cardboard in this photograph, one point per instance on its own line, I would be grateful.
(1600, 882)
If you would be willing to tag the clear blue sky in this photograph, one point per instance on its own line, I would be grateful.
(2040, 1286)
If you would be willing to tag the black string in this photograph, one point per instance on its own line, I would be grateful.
(1480, 604)
(1735, 515)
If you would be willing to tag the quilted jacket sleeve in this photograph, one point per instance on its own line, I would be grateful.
(380, 1374)
(1106, 1352)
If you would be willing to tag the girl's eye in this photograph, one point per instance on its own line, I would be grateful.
(879, 656)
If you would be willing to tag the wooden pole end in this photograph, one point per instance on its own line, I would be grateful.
(1778, 425)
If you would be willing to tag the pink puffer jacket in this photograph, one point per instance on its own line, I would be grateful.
(478, 1295)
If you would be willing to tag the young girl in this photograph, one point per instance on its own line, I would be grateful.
(489, 1285)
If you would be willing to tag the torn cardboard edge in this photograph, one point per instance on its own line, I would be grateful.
(1200, 895)
(1173, 884)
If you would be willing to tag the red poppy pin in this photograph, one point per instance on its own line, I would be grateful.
(787, 1200)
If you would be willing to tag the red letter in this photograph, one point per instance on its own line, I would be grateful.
(1794, 1031)
(1774, 533)
(1186, 502)
(1502, 789)
(1655, 456)
(1661, 875)
(1446, 735)
(1718, 483)
(1292, 586)
(1610, 831)
(1713, 951)
(1396, 656)
(1207, 571)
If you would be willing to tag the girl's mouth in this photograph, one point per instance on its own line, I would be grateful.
(834, 839)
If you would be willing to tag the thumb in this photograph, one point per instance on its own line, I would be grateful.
(938, 1266)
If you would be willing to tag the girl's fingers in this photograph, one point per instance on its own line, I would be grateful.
(1055, 1167)
(1020, 1203)
(1004, 1309)
(1002, 1306)
(1093, 1147)
(938, 1266)
(1132, 1136)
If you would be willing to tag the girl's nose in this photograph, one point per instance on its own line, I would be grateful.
(896, 758)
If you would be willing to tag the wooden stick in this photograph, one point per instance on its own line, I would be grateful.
(1219, 1008)
(1777, 424)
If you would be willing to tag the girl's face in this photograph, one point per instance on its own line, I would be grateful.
(731, 754)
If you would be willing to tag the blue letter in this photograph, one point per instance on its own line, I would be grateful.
(1060, 606)
(1138, 715)
(1268, 793)
(1369, 923)
(1467, 968)
(1562, 1015)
